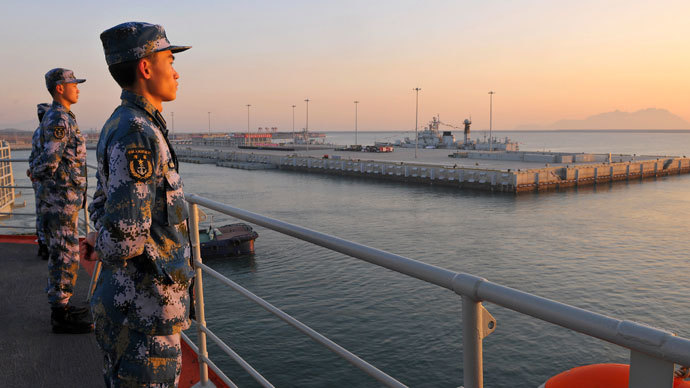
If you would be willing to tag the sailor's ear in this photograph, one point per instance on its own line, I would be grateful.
(144, 67)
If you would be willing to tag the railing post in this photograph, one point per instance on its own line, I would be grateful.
(94, 279)
(87, 228)
(199, 293)
(471, 344)
(647, 371)
(99, 264)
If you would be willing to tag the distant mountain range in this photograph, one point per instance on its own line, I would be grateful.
(650, 118)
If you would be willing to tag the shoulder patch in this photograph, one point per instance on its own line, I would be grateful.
(59, 131)
(139, 163)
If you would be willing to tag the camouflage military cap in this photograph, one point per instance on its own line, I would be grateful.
(134, 40)
(59, 76)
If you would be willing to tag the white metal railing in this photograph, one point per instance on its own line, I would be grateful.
(7, 186)
(653, 352)
(203, 331)
(6, 178)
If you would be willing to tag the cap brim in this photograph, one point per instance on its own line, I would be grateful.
(178, 49)
(75, 81)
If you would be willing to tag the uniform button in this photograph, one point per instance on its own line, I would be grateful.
(171, 164)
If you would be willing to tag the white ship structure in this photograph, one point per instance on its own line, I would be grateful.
(432, 137)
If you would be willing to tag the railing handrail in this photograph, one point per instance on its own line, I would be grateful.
(655, 342)
(11, 160)
(15, 187)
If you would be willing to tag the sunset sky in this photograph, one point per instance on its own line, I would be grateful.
(546, 60)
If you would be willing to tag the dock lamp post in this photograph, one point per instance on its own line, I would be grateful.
(172, 115)
(209, 123)
(491, 115)
(306, 128)
(416, 120)
(248, 105)
(293, 123)
(356, 103)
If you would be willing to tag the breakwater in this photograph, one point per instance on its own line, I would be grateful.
(509, 176)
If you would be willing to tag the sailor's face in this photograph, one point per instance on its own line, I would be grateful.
(70, 92)
(164, 77)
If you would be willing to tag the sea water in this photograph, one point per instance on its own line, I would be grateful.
(617, 249)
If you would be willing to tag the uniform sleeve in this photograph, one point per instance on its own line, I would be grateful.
(125, 217)
(35, 143)
(97, 205)
(55, 133)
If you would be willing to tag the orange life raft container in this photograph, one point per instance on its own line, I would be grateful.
(599, 376)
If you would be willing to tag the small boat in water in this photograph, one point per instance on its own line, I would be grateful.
(227, 241)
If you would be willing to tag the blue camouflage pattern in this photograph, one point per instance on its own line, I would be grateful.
(35, 150)
(133, 359)
(60, 167)
(135, 40)
(141, 218)
(59, 76)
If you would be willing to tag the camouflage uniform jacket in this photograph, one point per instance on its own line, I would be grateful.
(60, 161)
(35, 147)
(36, 137)
(141, 218)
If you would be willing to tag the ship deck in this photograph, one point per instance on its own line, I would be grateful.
(31, 355)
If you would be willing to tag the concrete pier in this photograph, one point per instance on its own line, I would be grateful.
(513, 172)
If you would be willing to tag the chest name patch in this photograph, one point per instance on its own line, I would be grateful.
(139, 164)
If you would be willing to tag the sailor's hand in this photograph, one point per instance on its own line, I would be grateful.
(86, 251)
(91, 238)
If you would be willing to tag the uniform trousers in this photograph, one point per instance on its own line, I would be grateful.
(39, 224)
(60, 227)
(133, 359)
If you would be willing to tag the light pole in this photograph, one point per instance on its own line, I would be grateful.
(172, 114)
(416, 119)
(491, 115)
(248, 105)
(356, 103)
(209, 123)
(306, 128)
(293, 123)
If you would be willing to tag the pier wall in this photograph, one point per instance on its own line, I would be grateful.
(535, 157)
(553, 178)
(515, 181)
(463, 177)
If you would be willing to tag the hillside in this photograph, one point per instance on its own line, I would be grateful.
(650, 118)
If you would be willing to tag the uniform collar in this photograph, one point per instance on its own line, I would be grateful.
(57, 106)
(142, 103)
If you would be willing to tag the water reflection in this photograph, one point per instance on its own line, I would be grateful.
(233, 264)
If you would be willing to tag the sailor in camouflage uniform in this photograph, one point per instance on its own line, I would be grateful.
(141, 301)
(35, 150)
(60, 167)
